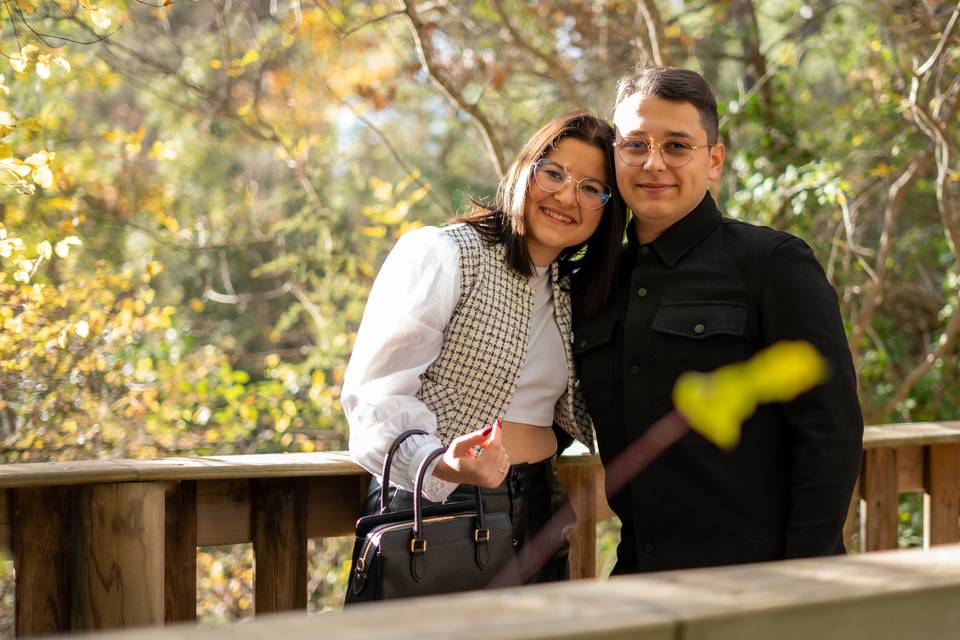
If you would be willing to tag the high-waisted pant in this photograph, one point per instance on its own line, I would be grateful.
(530, 494)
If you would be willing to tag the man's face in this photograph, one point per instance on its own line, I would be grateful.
(660, 195)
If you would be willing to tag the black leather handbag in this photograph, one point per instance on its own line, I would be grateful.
(441, 549)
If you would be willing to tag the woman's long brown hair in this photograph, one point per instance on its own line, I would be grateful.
(503, 220)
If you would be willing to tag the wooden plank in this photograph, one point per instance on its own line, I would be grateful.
(180, 552)
(580, 481)
(118, 556)
(880, 596)
(280, 465)
(911, 433)
(879, 480)
(223, 512)
(943, 484)
(41, 539)
(5, 507)
(333, 505)
(260, 465)
(910, 463)
(280, 544)
(46, 474)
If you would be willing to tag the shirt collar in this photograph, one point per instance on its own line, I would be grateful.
(684, 234)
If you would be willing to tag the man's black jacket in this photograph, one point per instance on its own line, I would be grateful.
(710, 291)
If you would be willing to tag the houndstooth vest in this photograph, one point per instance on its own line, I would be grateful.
(472, 381)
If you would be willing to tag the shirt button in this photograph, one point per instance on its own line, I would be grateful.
(648, 547)
(642, 292)
(634, 370)
(644, 251)
(583, 342)
(698, 329)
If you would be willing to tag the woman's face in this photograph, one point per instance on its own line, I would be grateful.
(555, 221)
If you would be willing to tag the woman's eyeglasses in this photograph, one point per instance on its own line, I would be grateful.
(552, 176)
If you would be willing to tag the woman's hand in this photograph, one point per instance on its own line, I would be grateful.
(477, 458)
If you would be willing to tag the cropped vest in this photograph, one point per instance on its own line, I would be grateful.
(472, 381)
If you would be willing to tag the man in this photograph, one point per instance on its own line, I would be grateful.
(697, 291)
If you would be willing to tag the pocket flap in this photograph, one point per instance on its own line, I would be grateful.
(700, 320)
(593, 334)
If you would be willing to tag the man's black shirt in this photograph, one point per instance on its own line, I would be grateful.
(711, 291)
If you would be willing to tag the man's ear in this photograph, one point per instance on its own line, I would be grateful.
(717, 153)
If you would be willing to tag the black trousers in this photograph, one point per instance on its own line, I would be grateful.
(530, 494)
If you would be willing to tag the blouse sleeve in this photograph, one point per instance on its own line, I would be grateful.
(401, 334)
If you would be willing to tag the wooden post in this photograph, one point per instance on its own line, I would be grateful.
(118, 555)
(580, 480)
(41, 537)
(280, 544)
(943, 486)
(879, 482)
(180, 552)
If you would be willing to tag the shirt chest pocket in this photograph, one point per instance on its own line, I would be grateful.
(697, 336)
(594, 356)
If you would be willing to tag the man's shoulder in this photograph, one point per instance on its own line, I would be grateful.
(746, 236)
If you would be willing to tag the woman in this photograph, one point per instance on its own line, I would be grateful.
(470, 323)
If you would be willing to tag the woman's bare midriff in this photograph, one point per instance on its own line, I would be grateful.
(528, 442)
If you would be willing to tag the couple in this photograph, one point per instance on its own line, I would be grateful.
(531, 311)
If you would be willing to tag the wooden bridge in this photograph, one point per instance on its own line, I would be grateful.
(107, 544)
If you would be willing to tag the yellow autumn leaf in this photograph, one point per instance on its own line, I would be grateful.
(373, 232)
(716, 404)
(62, 247)
(249, 57)
(43, 177)
(45, 250)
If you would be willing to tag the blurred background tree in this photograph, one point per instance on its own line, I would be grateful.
(196, 196)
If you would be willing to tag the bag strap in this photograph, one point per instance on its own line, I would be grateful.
(388, 462)
(418, 498)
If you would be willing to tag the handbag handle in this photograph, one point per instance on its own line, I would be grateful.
(388, 462)
(417, 542)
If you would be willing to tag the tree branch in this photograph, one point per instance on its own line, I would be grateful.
(554, 69)
(451, 93)
(387, 143)
(874, 289)
(648, 12)
(944, 345)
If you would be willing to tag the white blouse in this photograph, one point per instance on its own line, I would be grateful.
(401, 334)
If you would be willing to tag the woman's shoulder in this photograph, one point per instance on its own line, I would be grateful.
(428, 242)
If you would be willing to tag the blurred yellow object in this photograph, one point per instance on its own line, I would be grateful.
(716, 404)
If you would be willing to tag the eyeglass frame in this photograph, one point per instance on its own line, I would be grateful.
(654, 145)
(576, 183)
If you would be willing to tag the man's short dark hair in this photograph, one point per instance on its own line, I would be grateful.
(671, 83)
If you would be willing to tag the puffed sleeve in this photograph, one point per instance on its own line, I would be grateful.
(401, 334)
(826, 424)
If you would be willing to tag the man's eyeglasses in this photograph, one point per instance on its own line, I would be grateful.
(552, 176)
(675, 153)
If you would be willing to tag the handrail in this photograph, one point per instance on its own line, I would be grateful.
(880, 596)
(335, 463)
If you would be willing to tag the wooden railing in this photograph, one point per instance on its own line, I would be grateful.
(880, 596)
(105, 544)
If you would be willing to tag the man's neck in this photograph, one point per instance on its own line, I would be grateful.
(647, 233)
